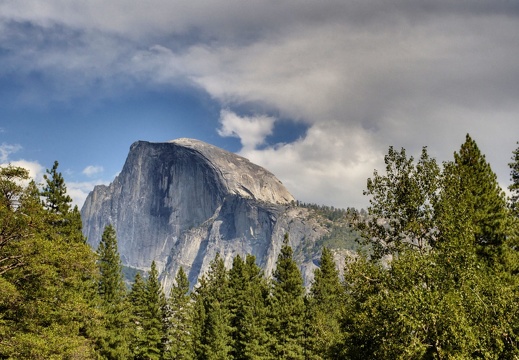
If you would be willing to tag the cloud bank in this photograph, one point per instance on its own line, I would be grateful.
(361, 76)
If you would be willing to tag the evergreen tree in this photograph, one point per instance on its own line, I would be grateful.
(287, 308)
(514, 186)
(55, 191)
(180, 320)
(249, 296)
(212, 315)
(61, 218)
(114, 342)
(53, 287)
(324, 309)
(442, 302)
(485, 202)
(148, 303)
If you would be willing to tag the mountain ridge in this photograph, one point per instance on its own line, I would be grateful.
(180, 202)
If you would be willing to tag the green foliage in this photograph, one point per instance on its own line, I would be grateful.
(248, 305)
(52, 281)
(401, 205)
(148, 303)
(212, 327)
(113, 342)
(324, 307)
(180, 320)
(440, 300)
(514, 178)
(287, 308)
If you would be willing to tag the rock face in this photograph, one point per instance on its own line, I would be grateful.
(181, 202)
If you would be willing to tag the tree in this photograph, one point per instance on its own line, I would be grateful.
(287, 308)
(114, 342)
(212, 315)
(62, 219)
(402, 204)
(324, 309)
(248, 305)
(53, 287)
(455, 298)
(180, 320)
(514, 186)
(484, 202)
(55, 191)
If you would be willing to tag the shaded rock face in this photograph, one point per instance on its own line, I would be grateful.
(180, 203)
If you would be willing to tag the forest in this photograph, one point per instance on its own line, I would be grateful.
(435, 276)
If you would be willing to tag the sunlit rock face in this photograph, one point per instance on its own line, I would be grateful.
(181, 202)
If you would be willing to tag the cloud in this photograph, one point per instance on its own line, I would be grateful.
(7, 149)
(92, 170)
(361, 76)
(79, 191)
(251, 130)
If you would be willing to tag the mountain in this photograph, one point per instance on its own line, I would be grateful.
(181, 202)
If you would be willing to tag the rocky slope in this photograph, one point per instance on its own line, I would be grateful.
(181, 202)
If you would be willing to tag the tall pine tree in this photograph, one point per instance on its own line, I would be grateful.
(114, 342)
(179, 344)
(324, 310)
(287, 307)
(148, 304)
(212, 314)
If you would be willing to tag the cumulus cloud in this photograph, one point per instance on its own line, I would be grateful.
(92, 170)
(361, 76)
(251, 130)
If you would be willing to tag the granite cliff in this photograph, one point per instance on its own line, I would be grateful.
(181, 202)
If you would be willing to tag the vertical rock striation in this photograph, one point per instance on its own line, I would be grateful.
(181, 202)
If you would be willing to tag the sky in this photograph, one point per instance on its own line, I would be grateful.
(314, 91)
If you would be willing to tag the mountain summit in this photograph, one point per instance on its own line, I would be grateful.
(181, 202)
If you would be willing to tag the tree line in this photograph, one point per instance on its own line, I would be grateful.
(436, 278)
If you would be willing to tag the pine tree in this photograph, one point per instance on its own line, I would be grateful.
(55, 191)
(212, 314)
(486, 208)
(514, 186)
(287, 308)
(54, 285)
(64, 220)
(180, 320)
(148, 303)
(324, 309)
(114, 344)
(249, 296)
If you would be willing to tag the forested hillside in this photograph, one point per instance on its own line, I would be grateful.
(434, 277)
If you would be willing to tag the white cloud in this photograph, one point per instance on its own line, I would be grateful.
(92, 170)
(251, 130)
(7, 149)
(360, 75)
(79, 191)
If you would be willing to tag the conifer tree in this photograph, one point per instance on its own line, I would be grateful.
(114, 342)
(180, 320)
(485, 202)
(514, 186)
(148, 304)
(55, 191)
(324, 309)
(54, 286)
(287, 308)
(212, 314)
(63, 219)
(249, 296)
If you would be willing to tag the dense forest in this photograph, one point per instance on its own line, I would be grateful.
(435, 277)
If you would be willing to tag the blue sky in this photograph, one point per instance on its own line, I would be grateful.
(315, 92)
